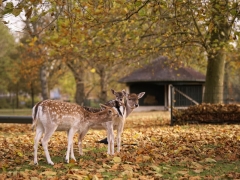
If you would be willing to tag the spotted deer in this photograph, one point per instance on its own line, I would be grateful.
(118, 123)
(52, 115)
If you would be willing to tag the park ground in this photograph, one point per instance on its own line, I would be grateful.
(152, 149)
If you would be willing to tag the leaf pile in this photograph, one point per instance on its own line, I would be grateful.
(160, 152)
(208, 113)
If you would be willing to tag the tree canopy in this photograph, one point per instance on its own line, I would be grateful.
(109, 36)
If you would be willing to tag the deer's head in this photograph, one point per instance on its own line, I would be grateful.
(132, 99)
(119, 95)
(111, 111)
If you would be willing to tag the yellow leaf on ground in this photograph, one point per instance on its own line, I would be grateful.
(117, 159)
(198, 171)
(210, 160)
(75, 176)
(48, 173)
(93, 70)
(20, 154)
(182, 172)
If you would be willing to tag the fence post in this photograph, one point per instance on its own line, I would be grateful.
(172, 102)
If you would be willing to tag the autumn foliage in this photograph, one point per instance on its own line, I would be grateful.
(149, 152)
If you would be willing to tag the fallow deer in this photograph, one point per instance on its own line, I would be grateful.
(51, 115)
(117, 123)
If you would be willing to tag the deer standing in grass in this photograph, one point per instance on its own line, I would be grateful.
(118, 123)
(51, 115)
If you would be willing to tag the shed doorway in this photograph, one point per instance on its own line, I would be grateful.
(154, 93)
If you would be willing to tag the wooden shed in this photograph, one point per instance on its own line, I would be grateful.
(156, 79)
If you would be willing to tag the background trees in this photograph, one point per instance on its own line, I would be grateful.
(107, 38)
(6, 48)
(8, 61)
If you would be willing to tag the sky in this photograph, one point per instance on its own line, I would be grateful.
(15, 24)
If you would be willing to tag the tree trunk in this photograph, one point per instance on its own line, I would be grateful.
(227, 91)
(219, 36)
(214, 77)
(32, 94)
(78, 73)
(79, 94)
(103, 84)
(17, 97)
(44, 84)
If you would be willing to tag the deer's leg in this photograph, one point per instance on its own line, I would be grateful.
(119, 137)
(70, 143)
(110, 138)
(80, 139)
(71, 149)
(80, 144)
(72, 153)
(39, 132)
(48, 133)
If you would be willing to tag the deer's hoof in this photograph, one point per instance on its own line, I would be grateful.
(66, 161)
(51, 163)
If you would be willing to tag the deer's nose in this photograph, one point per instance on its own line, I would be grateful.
(136, 105)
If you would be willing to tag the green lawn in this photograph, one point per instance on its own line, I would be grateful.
(20, 112)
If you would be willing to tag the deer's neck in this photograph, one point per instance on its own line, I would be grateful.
(128, 109)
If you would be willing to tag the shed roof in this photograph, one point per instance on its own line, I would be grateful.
(160, 71)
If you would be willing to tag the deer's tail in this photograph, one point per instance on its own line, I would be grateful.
(35, 115)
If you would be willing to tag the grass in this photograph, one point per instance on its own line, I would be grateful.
(217, 170)
(20, 112)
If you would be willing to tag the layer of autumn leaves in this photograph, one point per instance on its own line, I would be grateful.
(147, 153)
(208, 113)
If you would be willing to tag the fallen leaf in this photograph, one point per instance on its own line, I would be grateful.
(155, 168)
(197, 165)
(105, 165)
(75, 176)
(128, 173)
(198, 171)
(117, 159)
(48, 173)
(210, 160)
(182, 172)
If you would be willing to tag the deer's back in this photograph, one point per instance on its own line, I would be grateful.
(62, 113)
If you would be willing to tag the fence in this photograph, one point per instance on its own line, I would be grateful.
(16, 119)
(183, 99)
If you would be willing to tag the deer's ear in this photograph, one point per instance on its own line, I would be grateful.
(140, 95)
(113, 91)
(124, 93)
(103, 106)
